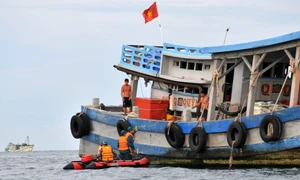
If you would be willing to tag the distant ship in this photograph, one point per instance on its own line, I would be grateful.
(24, 147)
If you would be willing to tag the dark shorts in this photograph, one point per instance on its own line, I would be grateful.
(204, 115)
(127, 102)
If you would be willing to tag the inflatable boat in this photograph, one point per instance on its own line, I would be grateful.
(87, 162)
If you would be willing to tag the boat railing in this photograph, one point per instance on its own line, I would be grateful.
(186, 50)
(146, 58)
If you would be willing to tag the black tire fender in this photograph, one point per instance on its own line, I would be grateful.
(197, 139)
(277, 128)
(237, 132)
(176, 137)
(122, 124)
(86, 122)
(77, 127)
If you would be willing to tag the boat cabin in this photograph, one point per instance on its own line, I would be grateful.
(249, 75)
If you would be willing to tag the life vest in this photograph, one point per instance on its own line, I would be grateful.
(123, 144)
(129, 134)
(107, 154)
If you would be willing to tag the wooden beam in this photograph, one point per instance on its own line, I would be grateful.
(246, 62)
(252, 87)
(287, 52)
(295, 82)
(219, 68)
(272, 64)
(158, 79)
(212, 96)
(260, 61)
(230, 69)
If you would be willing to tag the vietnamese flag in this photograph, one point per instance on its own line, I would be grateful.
(150, 13)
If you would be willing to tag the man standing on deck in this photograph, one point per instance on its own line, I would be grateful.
(126, 96)
(203, 104)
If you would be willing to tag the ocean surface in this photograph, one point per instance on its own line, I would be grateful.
(49, 165)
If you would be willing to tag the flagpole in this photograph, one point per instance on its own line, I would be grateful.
(159, 24)
(161, 34)
(225, 36)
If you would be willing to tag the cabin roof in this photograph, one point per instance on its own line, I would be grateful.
(252, 45)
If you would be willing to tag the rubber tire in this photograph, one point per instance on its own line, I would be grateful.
(197, 139)
(237, 131)
(176, 137)
(77, 127)
(122, 124)
(277, 128)
(86, 122)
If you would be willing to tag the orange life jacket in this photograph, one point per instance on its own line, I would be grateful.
(123, 144)
(129, 134)
(107, 153)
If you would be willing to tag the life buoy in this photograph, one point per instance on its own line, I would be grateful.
(77, 127)
(236, 132)
(197, 139)
(122, 124)
(176, 137)
(277, 128)
(86, 122)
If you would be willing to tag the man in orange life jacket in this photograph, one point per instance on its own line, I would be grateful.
(105, 152)
(125, 147)
(130, 135)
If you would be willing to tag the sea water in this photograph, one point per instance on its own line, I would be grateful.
(49, 165)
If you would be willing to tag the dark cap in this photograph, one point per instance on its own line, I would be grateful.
(123, 132)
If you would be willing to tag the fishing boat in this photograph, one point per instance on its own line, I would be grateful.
(253, 91)
(24, 147)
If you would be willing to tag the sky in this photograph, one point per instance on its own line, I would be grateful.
(56, 55)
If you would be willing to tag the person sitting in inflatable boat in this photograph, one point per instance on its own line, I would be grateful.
(105, 152)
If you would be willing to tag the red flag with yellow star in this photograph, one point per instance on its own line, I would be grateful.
(150, 13)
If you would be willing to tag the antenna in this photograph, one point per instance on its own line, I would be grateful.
(225, 36)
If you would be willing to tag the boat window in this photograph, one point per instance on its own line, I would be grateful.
(176, 63)
(195, 91)
(207, 67)
(268, 73)
(198, 66)
(191, 66)
(183, 64)
(181, 88)
(188, 90)
(278, 70)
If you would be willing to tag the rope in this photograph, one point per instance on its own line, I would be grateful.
(200, 120)
(215, 79)
(169, 125)
(231, 155)
(292, 70)
(287, 75)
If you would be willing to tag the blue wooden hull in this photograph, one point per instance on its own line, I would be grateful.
(289, 118)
